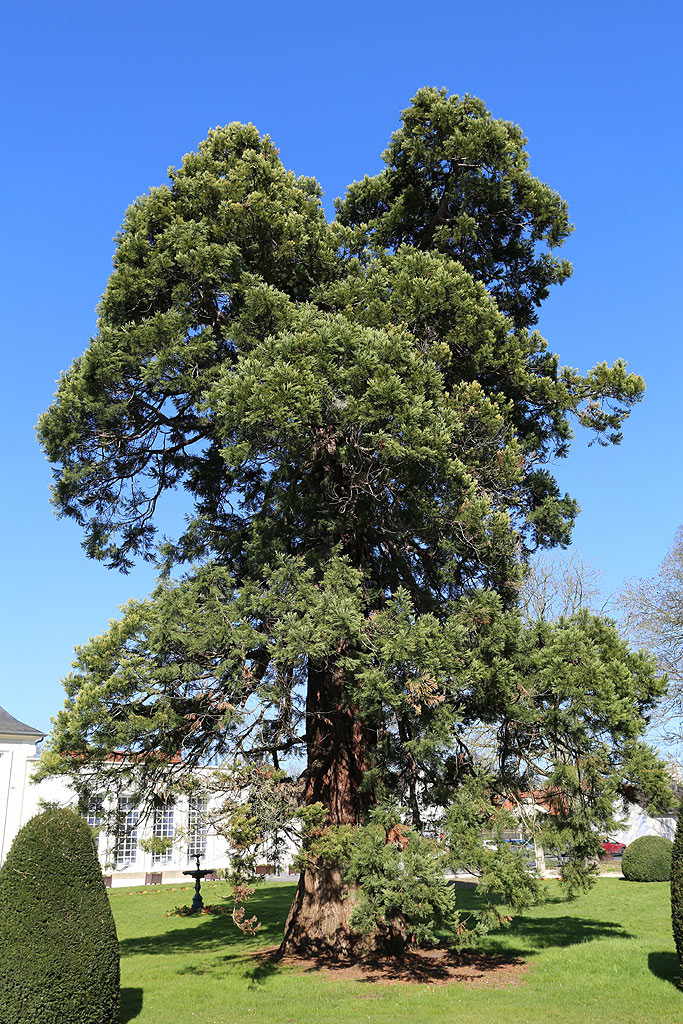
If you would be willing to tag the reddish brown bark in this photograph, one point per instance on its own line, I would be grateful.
(338, 747)
(318, 923)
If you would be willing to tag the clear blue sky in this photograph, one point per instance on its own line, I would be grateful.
(100, 98)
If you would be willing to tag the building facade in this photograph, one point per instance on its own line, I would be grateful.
(124, 861)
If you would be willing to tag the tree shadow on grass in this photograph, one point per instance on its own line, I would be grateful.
(527, 935)
(504, 953)
(423, 966)
(504, 956)
(266, 966)
(198, 937)
(532, 934)
(131, 1004)
(217, 932)
(666, 967)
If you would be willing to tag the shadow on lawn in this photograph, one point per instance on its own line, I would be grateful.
(529, 934)
(666, 967)
(131, 1004)
(507, 950)
(266, 967)
(501, 954)
(218, 932)
(532, 934)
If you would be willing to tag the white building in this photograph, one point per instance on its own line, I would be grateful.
(636, 822)
(123, 860)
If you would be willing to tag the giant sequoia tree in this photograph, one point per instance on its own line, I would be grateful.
(362, 419)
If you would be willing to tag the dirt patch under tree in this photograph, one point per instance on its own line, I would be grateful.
(421, 966)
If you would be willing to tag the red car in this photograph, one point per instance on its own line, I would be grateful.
(616, 849)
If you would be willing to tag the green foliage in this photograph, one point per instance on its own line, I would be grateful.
(677, 888)
(399, 876)
(501, 870)
(228, 288)
(394, 875)
(457, 181)
(202, 266)
(157, 845)
(59, 958)
(648, 859)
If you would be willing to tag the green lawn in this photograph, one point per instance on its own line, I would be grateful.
(606, 958)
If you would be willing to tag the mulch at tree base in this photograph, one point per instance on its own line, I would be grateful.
(421, 966)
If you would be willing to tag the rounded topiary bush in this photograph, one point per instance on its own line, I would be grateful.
(648, 859)
(59, 958)
(677, 888)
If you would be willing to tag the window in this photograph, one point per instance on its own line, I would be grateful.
(163, 829)
(127, 832)
(196, 827)
(94, 812)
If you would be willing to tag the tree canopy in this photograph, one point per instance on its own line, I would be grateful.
(457, 181)
(363, 419)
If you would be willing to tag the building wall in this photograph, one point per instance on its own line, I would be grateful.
(637, 822)
(20, 800)
(16, 754)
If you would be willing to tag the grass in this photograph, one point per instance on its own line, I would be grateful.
(605, 958)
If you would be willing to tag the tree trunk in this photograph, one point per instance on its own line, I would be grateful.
(539, 857)
(318, 923)
(338, 746)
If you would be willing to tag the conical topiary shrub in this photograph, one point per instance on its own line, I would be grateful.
(647, 859)
(59, 958)
(677, 888)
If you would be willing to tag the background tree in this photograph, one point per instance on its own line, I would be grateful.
(653, 617)
(556, 585)
(559, 584)
(364, 437)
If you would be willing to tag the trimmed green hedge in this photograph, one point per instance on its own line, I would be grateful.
(59, 957)
(648, 859)
(677, 888)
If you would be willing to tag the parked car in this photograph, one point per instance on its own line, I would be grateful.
(613, 847)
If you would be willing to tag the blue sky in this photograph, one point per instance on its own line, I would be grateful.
(101, 98)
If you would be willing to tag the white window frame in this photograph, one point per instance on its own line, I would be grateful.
(94, 812)
(163, 829)
(196, 827)
(126, 849)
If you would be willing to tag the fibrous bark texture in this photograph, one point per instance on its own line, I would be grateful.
(337, 744)
(319, 921)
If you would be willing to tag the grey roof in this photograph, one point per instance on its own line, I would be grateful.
(11, 725)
